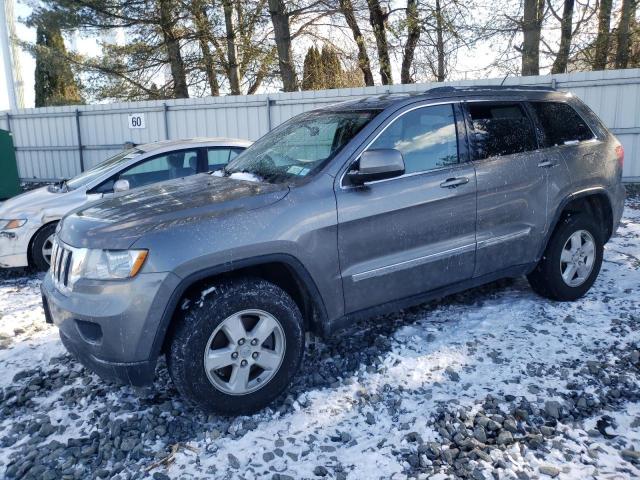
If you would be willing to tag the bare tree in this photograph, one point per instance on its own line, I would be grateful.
(378, 20)
(346, 8)
(202, 31)
(232, 54)
(566, 32)
(602, 40)
(413, 35)
(282, 32)
(531, 34)
(624, 33)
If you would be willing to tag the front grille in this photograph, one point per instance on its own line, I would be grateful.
(61, 261)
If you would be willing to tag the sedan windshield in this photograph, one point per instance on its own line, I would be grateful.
(300, 147)
(93, 173)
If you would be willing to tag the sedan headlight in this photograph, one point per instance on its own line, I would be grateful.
(12, 224)
(112, 264)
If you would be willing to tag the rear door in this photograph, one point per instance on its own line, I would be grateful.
(512, 185)
(406, 235)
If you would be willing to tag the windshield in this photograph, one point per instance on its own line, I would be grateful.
(93, 173)
(300, 147)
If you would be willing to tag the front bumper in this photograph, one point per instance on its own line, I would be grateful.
(111, 326)
(13, 248)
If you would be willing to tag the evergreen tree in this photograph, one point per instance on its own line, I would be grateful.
(312, 72)
(55, 83)
(332, 74)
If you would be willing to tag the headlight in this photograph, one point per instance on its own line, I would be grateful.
(112, 264)
(11, 224)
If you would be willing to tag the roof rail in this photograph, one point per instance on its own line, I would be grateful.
(451, 89)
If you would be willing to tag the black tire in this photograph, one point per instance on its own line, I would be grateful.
(546, 279)
(37, 258)
(191, 335)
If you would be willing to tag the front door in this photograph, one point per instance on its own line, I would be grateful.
(512, 177)
(403, 236)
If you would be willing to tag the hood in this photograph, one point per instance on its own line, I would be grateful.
(28, 203)
(119, 221)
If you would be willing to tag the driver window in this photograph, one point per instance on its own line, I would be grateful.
(162, 167)
(426, 137)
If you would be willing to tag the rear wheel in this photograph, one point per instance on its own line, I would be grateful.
(572, 260)
(42, 246)
(237, 348)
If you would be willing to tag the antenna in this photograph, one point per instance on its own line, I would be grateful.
(504, 79)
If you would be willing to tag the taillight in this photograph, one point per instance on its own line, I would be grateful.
(620, 155)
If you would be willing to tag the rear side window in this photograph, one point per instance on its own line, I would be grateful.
(561, 124)
(426, 137)
(501, 129)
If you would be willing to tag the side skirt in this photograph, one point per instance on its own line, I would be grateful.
(395, 305)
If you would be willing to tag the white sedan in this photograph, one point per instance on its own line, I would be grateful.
(28, 221)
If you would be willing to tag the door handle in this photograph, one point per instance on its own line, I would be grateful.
(454, 182)
(547, 164)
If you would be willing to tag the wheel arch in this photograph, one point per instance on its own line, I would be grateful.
(33, 237)
(594, 201)
(283, 270)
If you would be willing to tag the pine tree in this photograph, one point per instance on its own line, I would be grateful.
(332, 74)
(54, 80)
(312, 72)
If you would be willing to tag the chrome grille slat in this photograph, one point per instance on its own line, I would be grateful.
(61, 264)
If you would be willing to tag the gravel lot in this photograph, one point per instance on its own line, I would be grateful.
(492, 383)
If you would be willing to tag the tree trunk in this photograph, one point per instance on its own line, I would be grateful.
(232, 51)
(377, 20)
(602, 40)
(624, 33)
(531, 31)
(172, 44)
(281, 29)
(440, 76)
(202, 31)
(346, 8)
(566, 32)
(413, 35)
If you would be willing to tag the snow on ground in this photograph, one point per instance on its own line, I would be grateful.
(494, 381)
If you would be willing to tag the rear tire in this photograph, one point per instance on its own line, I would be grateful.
(222, 328)
(571, 261)
(42, 243)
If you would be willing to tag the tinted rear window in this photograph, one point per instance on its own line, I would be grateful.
(560, 123)
(501, 129)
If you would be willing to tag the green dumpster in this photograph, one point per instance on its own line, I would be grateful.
(9, 183)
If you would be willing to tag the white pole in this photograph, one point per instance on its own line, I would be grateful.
(5, 47)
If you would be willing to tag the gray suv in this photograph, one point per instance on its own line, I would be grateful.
(341, 213)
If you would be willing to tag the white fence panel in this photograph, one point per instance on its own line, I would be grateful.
(57, 142)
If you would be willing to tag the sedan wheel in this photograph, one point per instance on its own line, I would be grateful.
(47, 249)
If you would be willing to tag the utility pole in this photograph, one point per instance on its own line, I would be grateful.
(5, 50)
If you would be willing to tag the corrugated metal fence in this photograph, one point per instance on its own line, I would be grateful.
(59, 142)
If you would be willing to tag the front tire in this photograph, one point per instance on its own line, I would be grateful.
(41, 247)
(572, 260)
(237, 348)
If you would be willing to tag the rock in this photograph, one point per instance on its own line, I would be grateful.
(480, 434)
(549, 470)
(233, 461)
(268, 456)
(631, 455)
(371, 420)
(320, 471)
(504, 438)
(452, 374)
(161, 476)
(552, 409)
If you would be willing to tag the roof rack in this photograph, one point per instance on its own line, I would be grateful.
(450, 89)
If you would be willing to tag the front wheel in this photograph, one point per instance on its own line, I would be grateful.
(42, 246)
(238, 347)
(572, 260)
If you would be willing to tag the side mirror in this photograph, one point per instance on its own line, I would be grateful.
(377, 165)
(121, 186)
